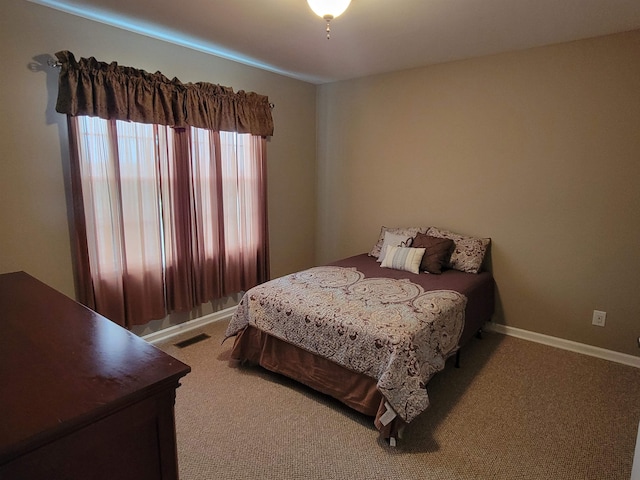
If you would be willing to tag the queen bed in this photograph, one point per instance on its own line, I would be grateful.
(372, 329)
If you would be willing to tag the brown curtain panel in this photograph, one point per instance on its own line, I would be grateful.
(110, 91)
(169, 189)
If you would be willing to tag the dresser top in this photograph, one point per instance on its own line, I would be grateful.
(63, 365)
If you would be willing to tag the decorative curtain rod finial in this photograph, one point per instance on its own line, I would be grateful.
(53, 63)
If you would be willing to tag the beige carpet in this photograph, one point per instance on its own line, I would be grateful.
(515, 410)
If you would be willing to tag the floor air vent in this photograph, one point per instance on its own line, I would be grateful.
(192, 340)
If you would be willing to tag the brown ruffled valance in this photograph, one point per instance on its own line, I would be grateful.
(110, 91)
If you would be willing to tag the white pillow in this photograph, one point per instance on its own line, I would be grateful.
(403, 258)
(394, 240)
(408, 231)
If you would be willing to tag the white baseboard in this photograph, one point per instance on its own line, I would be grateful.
(168, 333)
(565, 344)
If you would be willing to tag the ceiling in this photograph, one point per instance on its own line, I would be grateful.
(372, 36)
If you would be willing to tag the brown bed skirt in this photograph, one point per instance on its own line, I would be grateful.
(355, 390)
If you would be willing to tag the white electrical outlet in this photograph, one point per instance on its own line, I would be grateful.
(599, 318)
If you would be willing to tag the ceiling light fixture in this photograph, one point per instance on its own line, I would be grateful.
(328, 9)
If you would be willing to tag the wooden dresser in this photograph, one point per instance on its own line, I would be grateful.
(80, 397)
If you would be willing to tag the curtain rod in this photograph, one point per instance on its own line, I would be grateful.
(56, 64)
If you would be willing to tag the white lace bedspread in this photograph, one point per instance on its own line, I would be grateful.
(391, 330)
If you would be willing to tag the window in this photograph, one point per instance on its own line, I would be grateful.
(174, 217)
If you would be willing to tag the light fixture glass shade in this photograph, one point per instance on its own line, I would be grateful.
(328, 8)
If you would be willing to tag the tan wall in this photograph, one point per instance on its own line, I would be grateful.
(539, 150)
(34, 234)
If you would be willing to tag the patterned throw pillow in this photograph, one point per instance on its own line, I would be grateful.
(468, 253)
(408, 231)
(403, 258)
(437, 252)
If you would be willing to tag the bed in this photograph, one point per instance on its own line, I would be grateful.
(371, 330)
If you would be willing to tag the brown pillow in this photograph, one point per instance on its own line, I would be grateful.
(437, 253)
